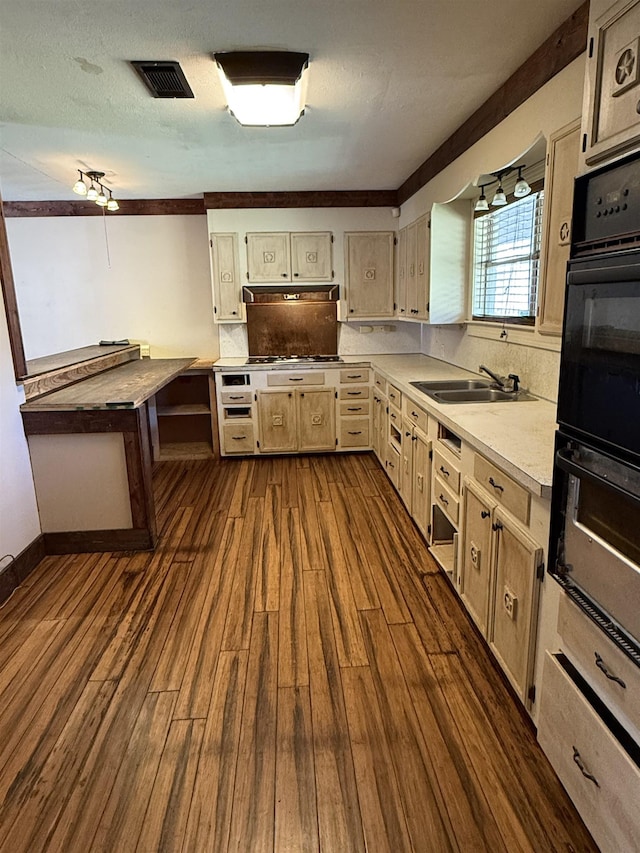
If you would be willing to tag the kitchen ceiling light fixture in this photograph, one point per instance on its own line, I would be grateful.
(499, 199)
(264, 88)
(482, 203)
(95, 193)
(521, 188)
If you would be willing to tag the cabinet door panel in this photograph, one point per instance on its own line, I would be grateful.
(227, 290)
(412, 278)
(268, 257)
(475, 574)
(311, 257)
(406, 465)
(401, 285)
(422, 268)
(316, 420)
(421, 498)
(369, 272)
(513, 623)
(277, 419)
(561, 170)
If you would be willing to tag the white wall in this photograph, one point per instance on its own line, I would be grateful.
(83, 279)
(403, 337)
(525, 352)
(19, 522)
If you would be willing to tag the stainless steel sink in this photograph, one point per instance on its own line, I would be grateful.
(469, 391)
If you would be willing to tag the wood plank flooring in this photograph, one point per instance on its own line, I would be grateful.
(289, 671)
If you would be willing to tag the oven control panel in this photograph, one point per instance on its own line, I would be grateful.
(612, 202)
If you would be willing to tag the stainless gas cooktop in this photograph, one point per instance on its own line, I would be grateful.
(291, 359)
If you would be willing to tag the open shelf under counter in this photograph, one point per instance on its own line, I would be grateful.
(445, 556)
(184, 409)
(174, 450)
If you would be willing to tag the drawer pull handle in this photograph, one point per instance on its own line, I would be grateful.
(415, 415)
(443, 500)
(354, 408)
(484, 513)
(239, 437)
(583, 769)
(354, 393)
(392, 416)
(296, 378)
(603, 668)
(356, 432)
(236, 396)
(444, 471)
(354, 376)
(495, 485)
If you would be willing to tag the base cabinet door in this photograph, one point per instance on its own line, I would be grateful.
(475, 574)
(277, 420)
(406, 467)
(512, 627)
(316, 420)
(421, 497)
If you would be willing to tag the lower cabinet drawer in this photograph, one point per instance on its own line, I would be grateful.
(510, 494)
(286, 377)
(446, 500)
(238, 438)
(348, 409)
(354, 432)
(354, 375)
(235, 398)
(447, 472)
(597, 772)
(614, 676)
(353, 393)
(392, 465)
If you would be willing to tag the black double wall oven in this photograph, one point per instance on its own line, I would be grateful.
(595, 521)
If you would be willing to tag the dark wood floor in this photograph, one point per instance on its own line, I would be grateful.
(288, 671)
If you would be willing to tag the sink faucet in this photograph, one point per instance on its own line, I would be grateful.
(515, 379)
(493, 375)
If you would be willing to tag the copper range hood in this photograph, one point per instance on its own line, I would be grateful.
(289, 321)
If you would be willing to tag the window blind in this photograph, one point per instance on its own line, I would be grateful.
(507, 261)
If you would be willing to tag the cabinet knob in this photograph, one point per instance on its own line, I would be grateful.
(295, 275)
(484, 513)
(497, 525)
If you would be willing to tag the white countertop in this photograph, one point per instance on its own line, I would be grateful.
(518, 437)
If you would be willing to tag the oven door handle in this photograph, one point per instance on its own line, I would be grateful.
(567, 464)
(604, 275)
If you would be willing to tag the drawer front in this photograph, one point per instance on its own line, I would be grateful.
(447, 472)
(238, 438)
(288, 377)
(380, 382)
(392, 465)
(394, 395)
(355, 375)
(395, 416)
(506, 491)
(614, 677)
(416, 415)
(577, 743)
(446, 500)
(354, 432)
(234, 398)
(352, 393)
(347, 409)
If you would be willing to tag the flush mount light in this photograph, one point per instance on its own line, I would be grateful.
(264, 87)
(97, 191)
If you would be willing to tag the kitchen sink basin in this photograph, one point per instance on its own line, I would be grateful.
(469, 391)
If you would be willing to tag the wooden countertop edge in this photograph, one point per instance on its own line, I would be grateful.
(48, 402)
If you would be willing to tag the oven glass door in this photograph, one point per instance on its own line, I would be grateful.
(599, 392)
(601, 537)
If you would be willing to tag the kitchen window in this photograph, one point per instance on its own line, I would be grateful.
(506, 261)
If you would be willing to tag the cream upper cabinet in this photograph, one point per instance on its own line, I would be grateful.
(227, 288)
(312, 256)
(401, 280)
(369, 273)
(412, 292)
(423, 233)
(284, 256)
(562, 166)
(611, 123)
(450, 246)
(316, 420)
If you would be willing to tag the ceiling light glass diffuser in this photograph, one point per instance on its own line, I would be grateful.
(521, 188)
(264, 88)
(482, 203)
(499, 198)
(80, 187)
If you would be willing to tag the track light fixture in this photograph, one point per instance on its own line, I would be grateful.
(499, 199)
(96, 191)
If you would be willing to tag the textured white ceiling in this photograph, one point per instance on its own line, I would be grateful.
(389, 81)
